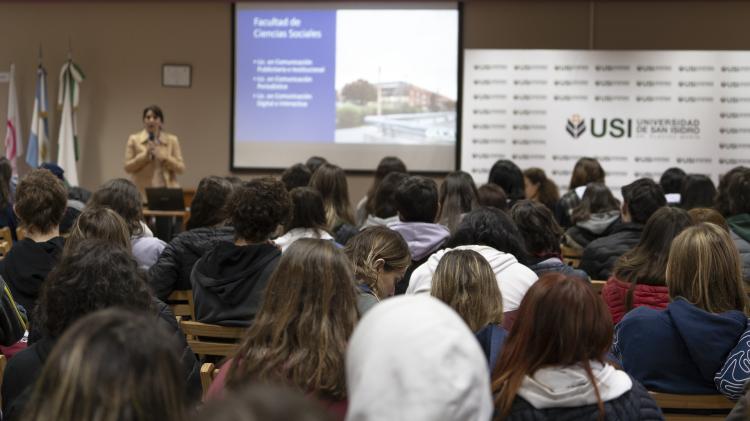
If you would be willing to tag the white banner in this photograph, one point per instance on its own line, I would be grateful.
(637, 112)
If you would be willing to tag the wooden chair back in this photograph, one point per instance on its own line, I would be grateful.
(692, 407)
(207, 339)
(208, 374)
(598, 286)
(181, 303)
(571, 256)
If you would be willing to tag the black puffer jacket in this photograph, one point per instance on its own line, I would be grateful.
(600, 255)
(636, 405)
(172, 271)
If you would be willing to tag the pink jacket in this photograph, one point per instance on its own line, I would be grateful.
(615, 294)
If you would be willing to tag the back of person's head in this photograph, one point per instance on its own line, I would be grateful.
(596, 199)
(387, 165)
(111, 365)
(465, 281)
(99, 223)
(413, 358)
(330, 181)
(417, 199)
(699, 215)
(300, 333)
(6, 173)
(298, 175)
(208, 207)
(671, 180)
(257, 208)
(376, 250)
(562, 321)
(92, 275)
(458, 195)
(540, 188)
(587, 170)
(647, 262)
(384, 200)
(314, 162)
(121, 196)
(642, 198)
(739, 193)
(704, 268)
(41, 199)
(492, 195)
(698, 191)
(538, 227)
(489, 227)
(507, 175)
(263, 402)
(721, 202)
(307, 210)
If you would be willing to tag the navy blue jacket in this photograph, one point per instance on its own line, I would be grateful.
(679, 349)
(491, 338)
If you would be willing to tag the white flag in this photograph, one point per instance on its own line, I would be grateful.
(13, 146)
(68, 95)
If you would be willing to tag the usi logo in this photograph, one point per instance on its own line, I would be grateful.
(576, 126)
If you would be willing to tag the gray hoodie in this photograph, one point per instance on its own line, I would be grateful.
(422, 238)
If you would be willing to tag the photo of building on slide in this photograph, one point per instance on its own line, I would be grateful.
(395, 84)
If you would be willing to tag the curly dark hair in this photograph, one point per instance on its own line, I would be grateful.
(538, 226)
(258, 207)
(739, 193)
(721, 202)
(208, 207)
(95, 274)
(121, 196)
(41, 199)
(417, 199)
(491, 227)
(643, 197)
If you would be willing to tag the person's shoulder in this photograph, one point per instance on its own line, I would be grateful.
(138, 137)
(169, 137)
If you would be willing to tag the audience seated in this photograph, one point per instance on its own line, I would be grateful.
(507, 175)
(594, 217)
(300, 334)
(465, 281)
(539, 188)
(298, 175)
(122, 196)
(739, 217)
(110, 365)
(384, 209)
(492, 195)
(307, 218)
(379, 257)
(458, 195)
(678, 350)
(330, 181)
(413, 358)
(207, 227)
(314, 162)
(639, 276)
(77, 198)
(641, 199)
(740, 411)
(698, 215)
(99, 223)
(671, 182)
(721, 201)
(698, 191)
(7, 216)
(554, 364)
(366, 206)
(262, 402)
(587, 170)
(40, 205)
(542, 237)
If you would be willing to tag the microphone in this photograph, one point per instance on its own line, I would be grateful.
(151, 138)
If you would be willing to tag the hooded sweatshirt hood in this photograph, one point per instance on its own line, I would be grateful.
(374, 221)
(599, 222)
(413, 358)
(26, 267)
(740, 224)
(421, 237)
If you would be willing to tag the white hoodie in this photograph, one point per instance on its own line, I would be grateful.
(513, 278)
(296, 233)
(413, 358)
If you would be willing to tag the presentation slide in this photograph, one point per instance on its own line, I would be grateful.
(350, 83)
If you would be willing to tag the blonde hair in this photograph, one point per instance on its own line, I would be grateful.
(465, 281)
(100, 223)
(704, 268)
(372, 244)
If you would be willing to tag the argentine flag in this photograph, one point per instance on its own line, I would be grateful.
(38, 149)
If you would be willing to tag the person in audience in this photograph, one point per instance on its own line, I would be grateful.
(7, 216)
(40, 205)
(491, 233)
(671, 182)
(541, 235)
(507, 175)
(13, 321)
(300, 334)
(639, 276)
(207, 227)
(366, 205)
(721, 201)
(74, 206)
(418, 207)
(739, 217)
(262, 402)
(153, 157)
(493, 196)
(380, 258)
(298, 175)
(698, 215)
(594, 217)
(101, 223)
(229, 279)
(413, 358)
(314, 162)
(554, 362)
(110, 365)
(465, 281)
(698, 191)
(679, 350)
(540, 188)
(330, 181)
(95, 274)
(740, 412)
(307, 218)
(641, 199)
(122, 196)
(587, 170)
(384, 210)
(458, 195)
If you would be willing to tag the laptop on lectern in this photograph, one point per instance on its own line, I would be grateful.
(165, 199)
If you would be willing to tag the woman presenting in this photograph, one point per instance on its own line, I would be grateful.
(153, 157)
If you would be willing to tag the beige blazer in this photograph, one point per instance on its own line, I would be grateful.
(149, 171)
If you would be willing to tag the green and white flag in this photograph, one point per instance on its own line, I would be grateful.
(71, 77)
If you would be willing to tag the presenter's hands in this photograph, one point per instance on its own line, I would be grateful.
(159, 153)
